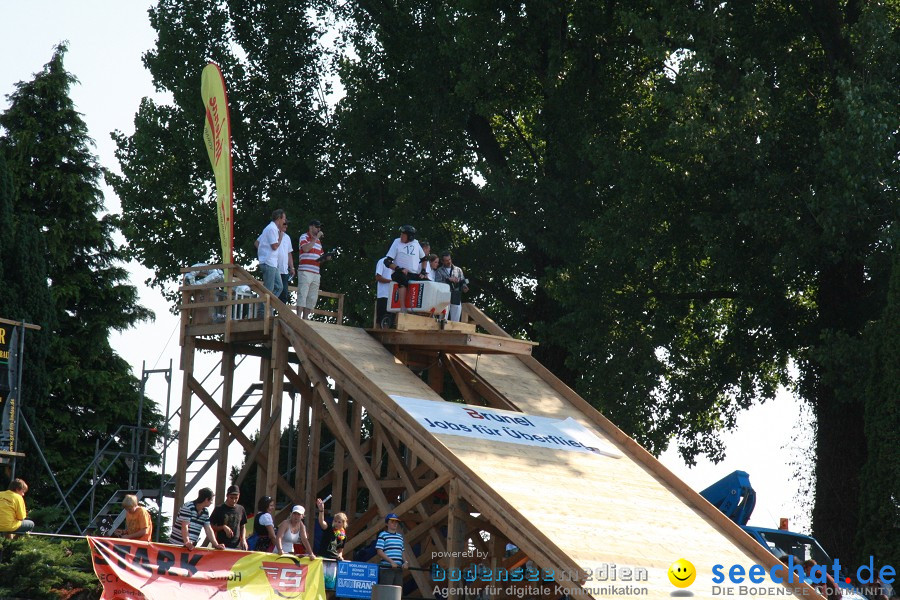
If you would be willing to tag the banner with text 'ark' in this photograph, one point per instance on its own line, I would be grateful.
(130, 569)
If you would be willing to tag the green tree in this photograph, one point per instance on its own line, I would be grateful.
(25, 296)
(880, 478)
(271, 64)
(47, 569)
(757, 234)
(678, 202)
(65, 254)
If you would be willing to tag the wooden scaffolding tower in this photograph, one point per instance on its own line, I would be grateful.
(461, 500)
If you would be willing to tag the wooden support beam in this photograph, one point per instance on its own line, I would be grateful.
(352, 470)
(358, 525)
(463, 383)
(339, 368)
(479, 385)
(343, 431)
(233, 429)
(264, 429)
(224, 440)
(184, 428)
(377, 452)
(265, 375)
(425, 526)
(279, 362)
(408, 480)
(182, 341)
(357, 539)
(436, 374)
(337, 485)
(315, 448)
(457, 542)
(302, 431)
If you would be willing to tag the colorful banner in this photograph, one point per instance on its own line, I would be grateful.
(217, 136)
(9, 384)
(355, 579)
(451, 418)
(129, 569)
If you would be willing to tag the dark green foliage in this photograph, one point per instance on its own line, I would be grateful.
(66, 276)
(41, 569)
(879, 521)
(25, 296)
(277, 128)
(680, 202)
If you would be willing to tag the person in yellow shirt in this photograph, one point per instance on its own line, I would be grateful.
(12, 509)
(138, 524)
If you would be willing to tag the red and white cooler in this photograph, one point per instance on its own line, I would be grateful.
(422, 297)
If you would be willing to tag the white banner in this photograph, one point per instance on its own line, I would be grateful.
(451, 418)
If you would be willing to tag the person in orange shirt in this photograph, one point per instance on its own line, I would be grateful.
(12, 509)
(138, 524)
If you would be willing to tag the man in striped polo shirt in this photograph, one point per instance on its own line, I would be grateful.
(308, 268)
(389, 548)
(192, 518)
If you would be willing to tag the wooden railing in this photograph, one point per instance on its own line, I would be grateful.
(221, 302)
(337, 300)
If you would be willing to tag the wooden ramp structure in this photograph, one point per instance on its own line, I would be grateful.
(596, 524)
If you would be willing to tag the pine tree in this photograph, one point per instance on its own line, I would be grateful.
(6, 231)
(65, 253)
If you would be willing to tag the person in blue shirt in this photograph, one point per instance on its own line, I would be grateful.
(389, 548)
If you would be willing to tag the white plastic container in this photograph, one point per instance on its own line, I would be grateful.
(427, 297)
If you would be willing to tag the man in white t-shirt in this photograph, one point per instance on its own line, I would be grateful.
(383, 277)
(285, 264)
(267, 253)
(406, 261)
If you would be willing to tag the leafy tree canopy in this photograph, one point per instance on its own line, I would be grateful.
(65, 274)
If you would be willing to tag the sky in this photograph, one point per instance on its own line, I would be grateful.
(106, 40)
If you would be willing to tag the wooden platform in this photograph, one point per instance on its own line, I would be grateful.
(452, 342)
(411, 322)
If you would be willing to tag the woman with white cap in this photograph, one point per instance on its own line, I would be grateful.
(291, 532)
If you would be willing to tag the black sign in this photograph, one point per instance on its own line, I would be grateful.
(9, 378)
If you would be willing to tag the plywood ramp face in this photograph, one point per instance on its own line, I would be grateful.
(602, 513)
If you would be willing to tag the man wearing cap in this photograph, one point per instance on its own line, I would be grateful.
(389, 548)
(308, 276)
(192, 518)
(383, 292)
(267, 252)
(229, 521)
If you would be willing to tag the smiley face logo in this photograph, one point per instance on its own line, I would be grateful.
(682, 573)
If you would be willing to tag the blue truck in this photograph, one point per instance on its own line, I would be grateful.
(736, 498)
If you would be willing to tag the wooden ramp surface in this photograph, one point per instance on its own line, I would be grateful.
(596, 510)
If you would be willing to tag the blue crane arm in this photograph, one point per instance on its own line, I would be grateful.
(734, 496)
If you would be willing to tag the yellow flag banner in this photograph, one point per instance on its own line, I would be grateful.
(217, 136)
(130, 569)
